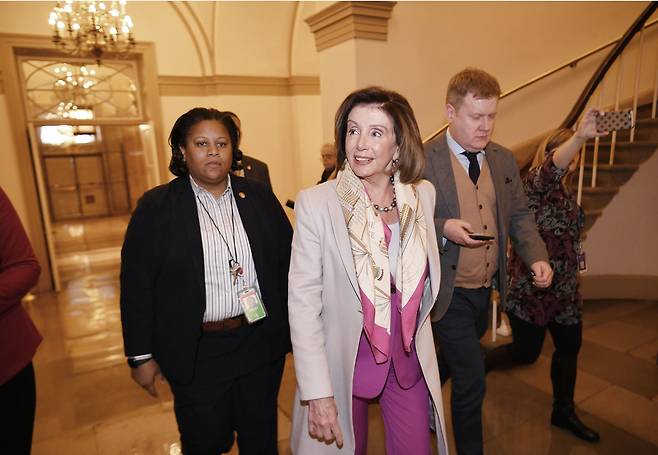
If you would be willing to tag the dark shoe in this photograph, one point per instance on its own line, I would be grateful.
(570, 421)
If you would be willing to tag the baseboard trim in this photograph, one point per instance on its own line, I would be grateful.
(636, 287)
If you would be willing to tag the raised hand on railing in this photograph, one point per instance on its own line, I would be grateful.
(566, 154)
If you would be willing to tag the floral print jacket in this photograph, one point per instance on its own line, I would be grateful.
(559, 221)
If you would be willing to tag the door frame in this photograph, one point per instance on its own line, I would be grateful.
(150, 155)
(13, 45)
(44, 209)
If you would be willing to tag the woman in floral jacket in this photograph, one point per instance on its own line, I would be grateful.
(558, 308)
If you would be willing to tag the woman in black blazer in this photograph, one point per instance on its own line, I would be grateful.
(203, 291)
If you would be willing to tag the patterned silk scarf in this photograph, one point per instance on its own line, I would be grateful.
(370, 253)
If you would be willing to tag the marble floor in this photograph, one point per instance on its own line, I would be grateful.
(85, 234)
(88, 405)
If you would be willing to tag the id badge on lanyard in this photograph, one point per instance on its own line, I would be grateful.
(580, 257)
(248, 296)
(252, 304)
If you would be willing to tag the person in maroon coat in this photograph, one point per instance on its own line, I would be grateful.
(19, 338)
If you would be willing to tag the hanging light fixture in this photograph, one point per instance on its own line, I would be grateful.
(91, 28)
(73, 87)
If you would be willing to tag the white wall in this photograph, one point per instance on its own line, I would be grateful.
(9, 171)
(623, 240)
(515, 41)
(339, 75)
(304, 59)
(305, 166)
(254, 37)
(282, 131)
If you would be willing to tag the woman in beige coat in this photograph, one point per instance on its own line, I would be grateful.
(364, 275)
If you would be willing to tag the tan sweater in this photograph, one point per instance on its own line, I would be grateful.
(477, 205)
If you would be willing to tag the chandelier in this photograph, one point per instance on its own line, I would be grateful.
(88, 27)
(73, 86)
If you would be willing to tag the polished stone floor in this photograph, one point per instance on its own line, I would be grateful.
(88, 405)
(87, 246)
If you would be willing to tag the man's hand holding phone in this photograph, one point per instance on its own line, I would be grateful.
(460, 232)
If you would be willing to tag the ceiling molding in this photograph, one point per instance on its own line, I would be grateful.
(212, 35)
(304, 85)
(210, 45)
(238, 85)
(190, 31)
(344, 21)
(291, 39)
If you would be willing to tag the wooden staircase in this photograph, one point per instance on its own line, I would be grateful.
(628, 157)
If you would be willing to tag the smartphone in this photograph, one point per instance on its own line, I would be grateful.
(614, 121)
(479, 236)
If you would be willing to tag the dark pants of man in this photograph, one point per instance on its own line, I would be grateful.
(458, 334)
(229, 394)
(527, 345)
(17, 407)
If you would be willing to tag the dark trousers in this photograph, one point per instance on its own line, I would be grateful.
(458, 334)
(17, 408)
(225, 397)
(526, 347)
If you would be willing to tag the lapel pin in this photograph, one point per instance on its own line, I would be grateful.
(248, 167)
(242, 195)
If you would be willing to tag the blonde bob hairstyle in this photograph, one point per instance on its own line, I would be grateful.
(407, 135)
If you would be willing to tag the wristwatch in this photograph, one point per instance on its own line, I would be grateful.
(133, 363)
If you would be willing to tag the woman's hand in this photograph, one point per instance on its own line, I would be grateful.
(587, 126)
(323, 421)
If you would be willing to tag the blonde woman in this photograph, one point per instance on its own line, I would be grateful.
(558, 308)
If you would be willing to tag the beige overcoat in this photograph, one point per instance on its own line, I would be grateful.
(326, 318)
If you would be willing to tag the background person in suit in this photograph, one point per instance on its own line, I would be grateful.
(248, 166)
(328, 155)
(364, 275)
(478, 191)
(558, 308)
(19, 338)
(191, 246)
(255, 170)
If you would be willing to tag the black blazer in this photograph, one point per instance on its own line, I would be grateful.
(255, 169)
(163, 295)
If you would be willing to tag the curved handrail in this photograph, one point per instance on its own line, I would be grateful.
(600, 73)
(548, 73)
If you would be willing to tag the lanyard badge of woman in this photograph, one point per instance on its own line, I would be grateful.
(252, 304)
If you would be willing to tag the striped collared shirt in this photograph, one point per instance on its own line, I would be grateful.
(221, 294)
